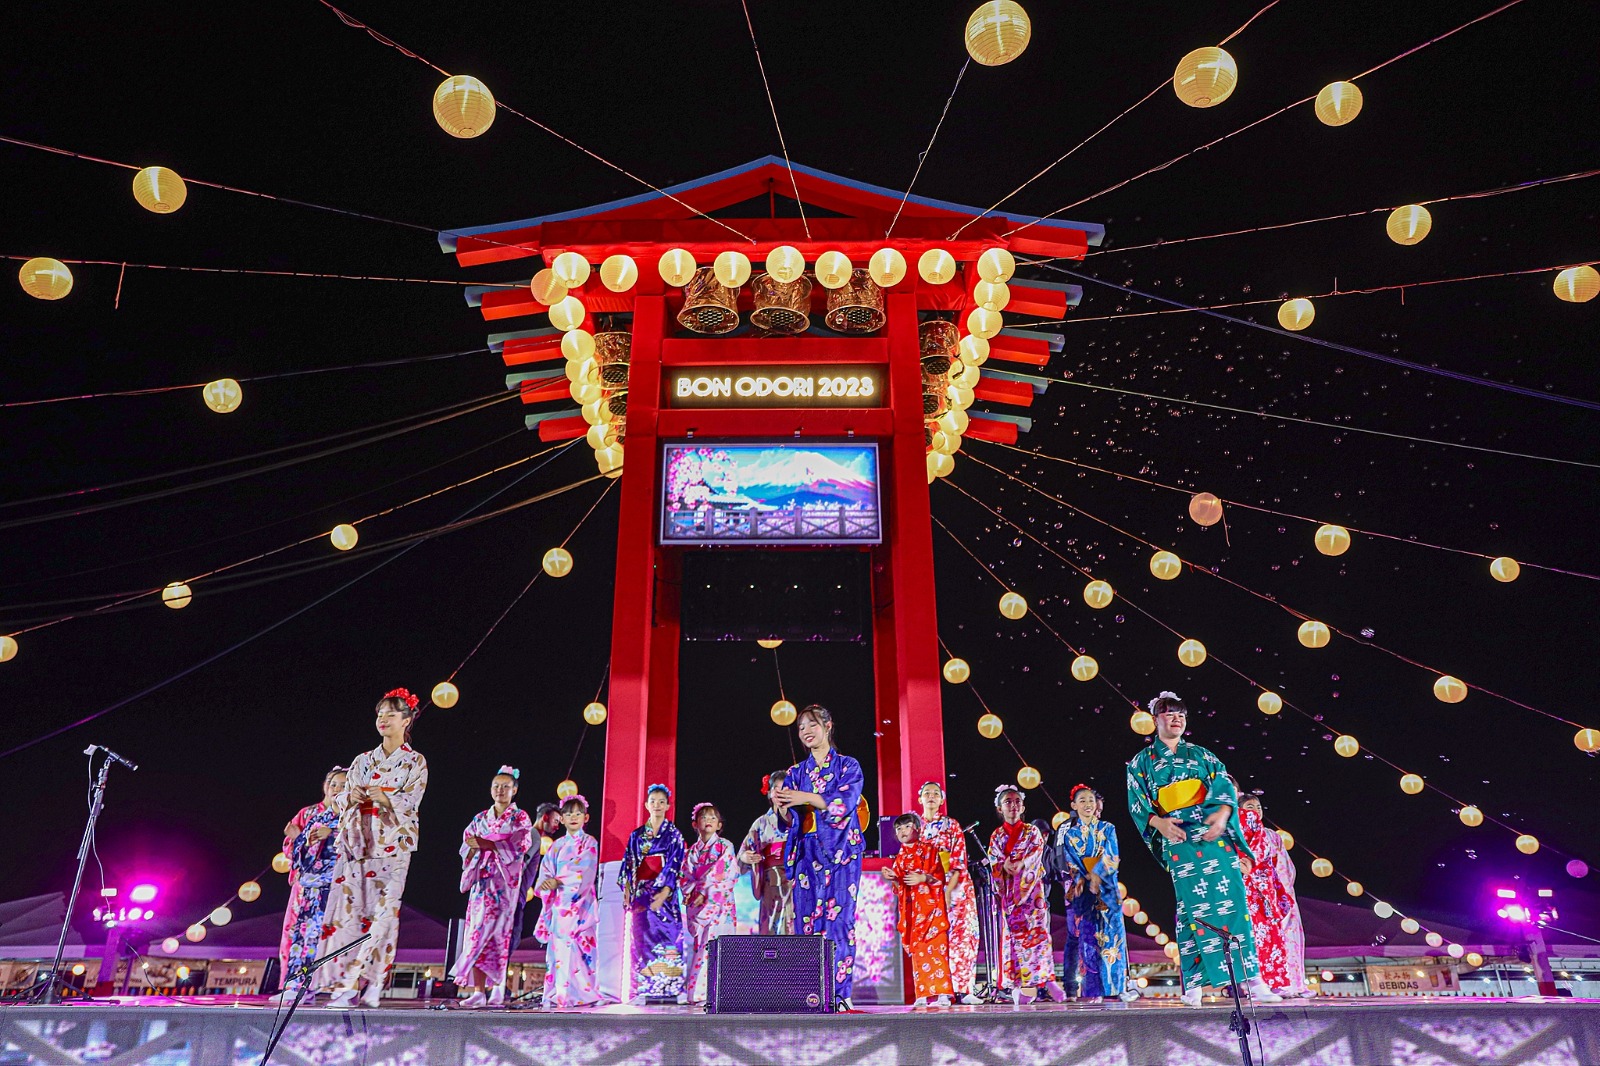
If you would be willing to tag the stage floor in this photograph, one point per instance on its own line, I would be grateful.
(228, 1031)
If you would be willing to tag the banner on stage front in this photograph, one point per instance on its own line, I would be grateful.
(1413, 979)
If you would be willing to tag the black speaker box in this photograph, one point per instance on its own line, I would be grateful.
(770, 975)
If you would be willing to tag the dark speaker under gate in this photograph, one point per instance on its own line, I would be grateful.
(770, 975)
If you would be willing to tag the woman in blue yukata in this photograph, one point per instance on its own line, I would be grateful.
(649, 881)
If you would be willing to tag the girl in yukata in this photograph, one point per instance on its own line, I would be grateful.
(961, 902)
(1089, 845)
(1274, 910)
(569, 916)
(377, 834)
(493, 847)
(762, 854)
(821, 801)
(1016, 855)
(918, 874)
(649, 881)
(312, 855)
(710, 870)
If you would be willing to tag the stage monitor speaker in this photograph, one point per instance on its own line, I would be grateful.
(746, 594)
(770, 975)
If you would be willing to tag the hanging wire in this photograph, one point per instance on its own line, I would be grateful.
(923, 156)
(948, 654)
(605, 675)
(765, 84)
(262, 273)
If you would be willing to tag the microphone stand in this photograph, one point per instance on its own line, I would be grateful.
(1237, 1022)
(302, 977)
(988, 913)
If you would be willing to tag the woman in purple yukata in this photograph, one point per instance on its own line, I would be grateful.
(710, 870)
(649, 881)
(821, 800)
(312, 856)
(492, 849)
(569, 917)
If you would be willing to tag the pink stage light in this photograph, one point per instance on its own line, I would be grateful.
(143, 893)
(1506, 893)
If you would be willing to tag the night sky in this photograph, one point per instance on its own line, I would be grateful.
(285, 99)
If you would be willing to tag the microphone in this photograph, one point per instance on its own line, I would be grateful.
(970, 828)
(92, 748)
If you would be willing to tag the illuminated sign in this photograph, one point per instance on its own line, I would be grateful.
(775, 386)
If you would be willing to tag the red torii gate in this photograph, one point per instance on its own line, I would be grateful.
(642, 727)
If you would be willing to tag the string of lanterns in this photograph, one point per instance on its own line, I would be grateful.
(222, 914)
(957, 672)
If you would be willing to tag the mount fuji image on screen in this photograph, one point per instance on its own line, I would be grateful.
(813, 494)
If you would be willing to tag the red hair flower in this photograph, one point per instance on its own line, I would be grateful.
(402, 694)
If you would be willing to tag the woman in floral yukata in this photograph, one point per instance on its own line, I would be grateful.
(710, 870)
(1089, 844)
(492, 850)
(377, 834)
(649, 881)
(1274, 910)
(1016, 855)
(570, 916)
(961, 901)
(311, 860)
(821, 801)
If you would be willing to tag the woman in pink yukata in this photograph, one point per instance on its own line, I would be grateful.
(492, 849)
(710, 870)
(570, 915)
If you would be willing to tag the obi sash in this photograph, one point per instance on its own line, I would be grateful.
(649, 868)
(772, 855)
(808, 820)
(944, 860)
(1177, 795)
(373, 808)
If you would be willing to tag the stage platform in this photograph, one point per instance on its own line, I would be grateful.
(218, 1031)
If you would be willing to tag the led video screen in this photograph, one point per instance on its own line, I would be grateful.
(752, 493)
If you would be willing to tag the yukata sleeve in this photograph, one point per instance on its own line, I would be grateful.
(672, 861)
(630, 862)
(843, 795)
(1141, 806)
(933, 867)
(584, 874)
(301, 854)
(726, 868)
(407, 798)
(1076, 866)
(1220, 792)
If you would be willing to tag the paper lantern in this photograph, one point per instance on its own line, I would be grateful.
(159, 189)
(571, 269)
(619, 273)
(601, 436)
(222, 395)
(1122, 890)
(1013, 606)
(445, 695)
(1142, 723)
(566, 789)
(732, 269)
(833, 270)
(1084, 668)
(1058, 819)
(991, 295)
(567, 313)
(967, 377)
(1410, 925)
(1205, 509)
(547, 288)
(1411, 784)
(960, 398)
(170, 945)
(939, 465)
(1527, 843)
(998, 32)
(676, 266)
(887, 267)
(1346, 745)
(1505, 568)
(974, 351)
(1296, 314)
(1471, 816)
(221, 916)
(1269, 702)
(1383, 909)
(1165, 565)
(1455, 951)
(784, 263)
(1140, 918)
(1576, 285)
(984, 323)
(1205, 77)
(1313, 634)
(1433, 939)
(1098, 594)
(783, 712)
(1322, 867)
(1449, 689)
(948, 443)
(1287, 838)
(608, 458)
(1163, 939)
(577, 345)
(344, 536)
(463, 106)
(1587, 740)
(45, 279)
(280, 863)
(596, 411)
(1332, 540)
(936, 266)
(581, 370)
(1474, 959)
(1409, 224)
(770, 644)
(1130, 906)
(195, 933)
(1191, 653)
(1170, 950)
(1355, 888)
(594, 713)
(996, 264)
(1338, 103)
(956, 671)
(1028, 777)
(954, 422)
(8, 649)
(990, 726)
(250, 891)
(176, 595)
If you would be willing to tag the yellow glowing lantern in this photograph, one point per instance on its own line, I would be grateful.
(159, 189)
(998, 32)
(1296, 314)
(954, 422)
(1449, 689)
(1355, 888)
(45, 279)
(770, 643)
(601, 436)
(445, 695)
(577, 345)
(580, 371)
(221, 916)
(939, 465)
(1338, 103)
(956, 671)
(1170, 950)
(594, 713)
(676, 266)
(571, 269)
(608, 458)
(1410, 925)
(1313, 634)
(1505, 568)
(1434, 939)
(1383, 909)
(1576, 285)
(619, 273)
(1587, 740)
(169, 945)
(1013, 606)
(1346, 745)
(996, 264)
(967, 377)
(1455, 951)
(1411, 784)
(566, 789)
(344, 536)
(195, 933)
(936, 266)
(990, 725)
(731, 268)
(8, 649)
(1084, 668)
(1474, 959)
(1287, 838)
(1205, 509)
(280, 863)
(596, 411)
(1142, 723)
(1028, 777)
(984, 323)
(785, 263)
(567, 314)
(960, 398)
(948, 443)
(547, 288)
(1122, 890)
(974, 351)
(991, 295)
(1527, 843)
(1165, 565)
(1269, 702)
(1098, 594)
(1130, 906)
(833, 270)
(1322, 867)
(463, 106)
(1191, 653)
(1140, 917)
(1409, 224)
(176, 595)
(1332, 539)
(783, 712)
(1470, 816)
(887, 267)
(222, 395)
(250, 891)
(1205, 77)
(1153, 931)
(1058, 819)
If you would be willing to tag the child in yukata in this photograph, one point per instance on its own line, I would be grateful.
(570, 917)
(710, 871)
(918, 878)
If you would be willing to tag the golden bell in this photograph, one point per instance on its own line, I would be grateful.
(855, 306)
(937, 341)
(782, 307)
(709, 306)
(612, 352)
